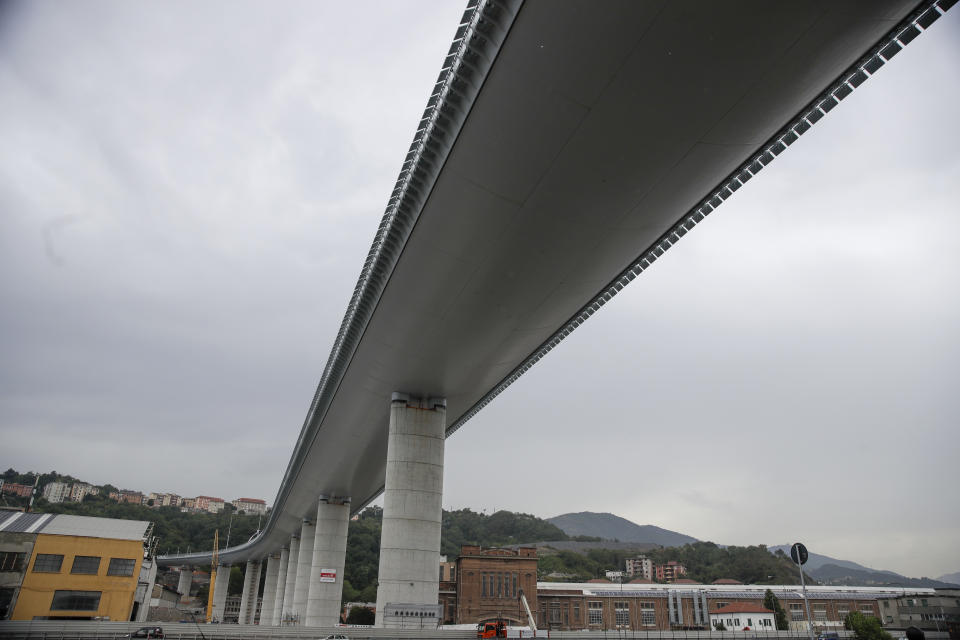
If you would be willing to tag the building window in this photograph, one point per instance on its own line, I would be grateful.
(6, 597)
(923, 602)
(721, 605)
(820, 612)
(647, 616)
(75, 601)
(866, 609)
(554, 613)
(12, 561)
(121, 566)
(483, 583)
(576, 612)
(87, 565)
(886, 604)
(516, 576)
(499, 585)
(843, 611)
(622, 613)
(595, 612)
(796, 611)
(48, 563)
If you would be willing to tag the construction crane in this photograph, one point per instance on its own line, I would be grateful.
(213, 573)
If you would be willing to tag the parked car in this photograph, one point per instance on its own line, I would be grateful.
(147, 632)
(337, 636)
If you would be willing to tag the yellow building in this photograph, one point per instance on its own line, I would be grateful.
(82, 568)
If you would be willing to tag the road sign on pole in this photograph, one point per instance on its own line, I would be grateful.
(798, 552)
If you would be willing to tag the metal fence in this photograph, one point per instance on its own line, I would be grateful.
(95, 630)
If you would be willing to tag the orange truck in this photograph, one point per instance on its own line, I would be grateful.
(496, 629)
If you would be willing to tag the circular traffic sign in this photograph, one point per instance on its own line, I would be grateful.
(799, 553)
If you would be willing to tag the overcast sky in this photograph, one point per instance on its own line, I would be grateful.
(187, 195)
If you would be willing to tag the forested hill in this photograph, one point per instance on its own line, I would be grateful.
(705, 562)
(612, 527)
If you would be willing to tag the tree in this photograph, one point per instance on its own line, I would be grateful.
(719, 626)
(235, 586)
(361, 615)
(772, 602)
(865, 627)
(369, 593)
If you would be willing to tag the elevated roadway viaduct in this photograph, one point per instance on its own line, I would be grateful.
(565, 147)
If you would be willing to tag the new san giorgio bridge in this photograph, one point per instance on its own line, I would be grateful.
(564, 148)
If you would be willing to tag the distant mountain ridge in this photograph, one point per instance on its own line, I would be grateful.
(612, 527)
(950, 577)
(832, 571)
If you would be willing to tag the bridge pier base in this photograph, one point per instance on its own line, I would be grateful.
(277, 613)
(293, 556)
(220, 587)
(185, 581)
(270, 588)
(304, 566)
(329, 556)
(251, 589)
(412, 506)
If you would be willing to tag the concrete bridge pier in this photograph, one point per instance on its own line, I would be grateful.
(412, 507)
(276, 615)
(293, 556)
(185, 581)
(220, 587)
(304, 567)
(251, 590)
(270, 589)
(329, 557)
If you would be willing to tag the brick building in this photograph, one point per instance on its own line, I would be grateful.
(488, 583)
(13, 488)
(670, 572)
(208, 503)
(131, 497)
(484, 584)
(649, 607)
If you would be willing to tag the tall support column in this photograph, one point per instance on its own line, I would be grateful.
(185, 581)
(329, 556)
(304, 567)
(251, 589)
(270, 589)
(277, 614)
(292, 559)
(220, 591)
(412, 503)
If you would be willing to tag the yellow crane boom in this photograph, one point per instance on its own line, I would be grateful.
(213, 573)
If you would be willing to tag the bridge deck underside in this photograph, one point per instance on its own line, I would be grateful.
(593, 133)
